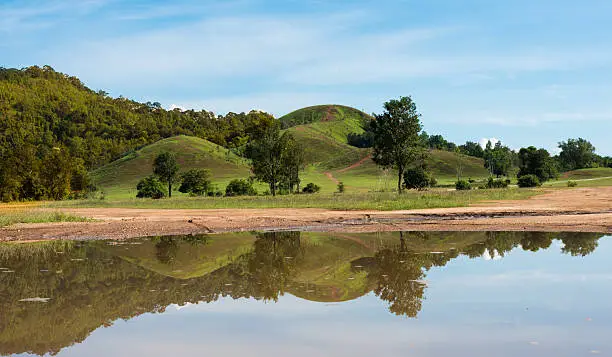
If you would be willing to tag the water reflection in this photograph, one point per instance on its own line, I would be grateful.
(93, 284)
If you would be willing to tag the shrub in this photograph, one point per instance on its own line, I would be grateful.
(529, 181)
(196, 182)
(416, 178)
(433, 182)
(151, 187)
(341, 187)
(239, 187)
(572, 183)
(492, 183)
(463, 185)
(311, 188)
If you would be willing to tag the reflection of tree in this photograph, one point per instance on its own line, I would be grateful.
(399, 274)
(91, 285)
(273, 262)
(534, 241)
(579, 244)
(166, 249)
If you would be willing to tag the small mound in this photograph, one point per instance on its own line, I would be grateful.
(191, 152)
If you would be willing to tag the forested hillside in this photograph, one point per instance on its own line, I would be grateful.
(53, 129)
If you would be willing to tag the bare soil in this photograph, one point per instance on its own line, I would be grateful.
(575, 210)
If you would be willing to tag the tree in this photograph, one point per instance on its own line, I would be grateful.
(166, 168)
(537, 162)
(576, 154)
(150, 187)
(293, 162)
(471, 148)
(276, 159)
(396, 137)
(196, 182)
(57, 174)
(498, 159)
(417, 178)
(238, 187)
(437, 142)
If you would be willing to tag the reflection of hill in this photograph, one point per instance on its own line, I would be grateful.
(92, 284)
(183, 257)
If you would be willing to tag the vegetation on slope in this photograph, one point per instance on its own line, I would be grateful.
(323, 113)
(191, 152)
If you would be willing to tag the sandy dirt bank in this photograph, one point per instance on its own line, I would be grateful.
(576, 210)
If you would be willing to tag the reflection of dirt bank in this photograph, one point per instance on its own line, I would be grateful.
(576, 210)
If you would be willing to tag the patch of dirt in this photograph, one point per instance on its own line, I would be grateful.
(331, 177)
(575, 210)
(357, 164)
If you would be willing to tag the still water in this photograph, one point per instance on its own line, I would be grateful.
(310, 294)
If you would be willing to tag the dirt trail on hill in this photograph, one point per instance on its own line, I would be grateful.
(357, 164)
(576, 210)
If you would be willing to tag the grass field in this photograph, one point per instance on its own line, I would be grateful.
(595, 182)
(587, 174)
(119, 178)
(438, 198)
(32, 215)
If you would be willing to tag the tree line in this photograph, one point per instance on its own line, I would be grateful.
(54, 130)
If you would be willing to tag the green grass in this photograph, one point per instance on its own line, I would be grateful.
(9, 217)
(322, 130)
(596, 182)
(119, 178)
(349, 201)
(587, 173)
(322, 113)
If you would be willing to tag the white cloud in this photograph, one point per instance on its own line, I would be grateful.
(315, 49)
(483, 142)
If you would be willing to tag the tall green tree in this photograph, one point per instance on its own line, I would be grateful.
(533, 161)
(276, 158)
(498, 159)
(576, 154)
(293, 162)
(166, 168)
(471, 148)
(396, 137)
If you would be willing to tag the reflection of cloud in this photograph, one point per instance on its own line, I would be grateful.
(354, 330)
(488, 256)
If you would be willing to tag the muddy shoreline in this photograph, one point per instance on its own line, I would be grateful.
(576, 210)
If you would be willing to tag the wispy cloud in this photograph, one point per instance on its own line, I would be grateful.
(20, 16)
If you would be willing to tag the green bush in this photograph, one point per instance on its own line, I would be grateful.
(572, 183)
(499, 183)
(433, 182)
(151, 187)
(529, 181)
(196, 182)
(463, 185)
(239, 187)
(416, 178)
(311, 188)
(341, 187)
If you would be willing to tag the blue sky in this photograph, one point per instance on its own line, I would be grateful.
(527, 72)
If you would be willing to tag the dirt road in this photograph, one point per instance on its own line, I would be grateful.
(578, 210)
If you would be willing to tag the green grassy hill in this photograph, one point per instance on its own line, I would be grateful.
(329, 158)
(119, 178)
(583, 174)
(323, 113)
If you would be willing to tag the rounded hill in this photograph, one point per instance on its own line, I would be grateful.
(323, 113)
(122, 175)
